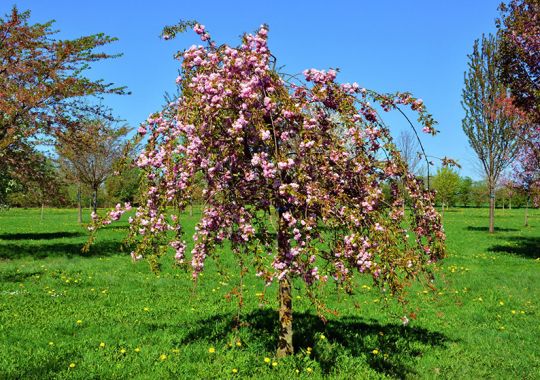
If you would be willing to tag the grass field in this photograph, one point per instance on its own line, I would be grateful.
(64, 314)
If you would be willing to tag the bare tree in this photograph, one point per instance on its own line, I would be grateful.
(489, 128)
(407, 143)
(89, 153)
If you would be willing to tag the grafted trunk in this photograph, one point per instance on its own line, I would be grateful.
(527, 213)
(79, 205)
(94, 200)
(285, 340)
(491, 207)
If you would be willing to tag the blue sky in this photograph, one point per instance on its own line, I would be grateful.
(419, 46)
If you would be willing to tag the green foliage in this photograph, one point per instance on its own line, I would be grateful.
(123, 187)
(446, 182)
(465, 191)
(486, 307)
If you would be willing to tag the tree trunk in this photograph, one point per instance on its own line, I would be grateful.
(491, 209)
(94, 200)
(510, 203)
(79, 204)
(527, 213)
(442, 210)
(285, 342)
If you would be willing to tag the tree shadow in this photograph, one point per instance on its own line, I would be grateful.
(41, 251)
(346, 336)
(39, 235)
(526, 246)
(485, 229)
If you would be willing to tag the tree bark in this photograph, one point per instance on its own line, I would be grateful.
(79, 205)
(285, 341)
(94, 200)
(491, 209)
(527, 213)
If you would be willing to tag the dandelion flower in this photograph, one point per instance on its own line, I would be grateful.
(239, 344)
(137, 349)
(72, 365)
(211, 350)
(267, 360)
(309, 370)
(123, 351)
(322, 337)
(375, 352)
(234, 370)
(79, 322)
(51, 343)
(163, 357)
(274, 364)
(102, 344)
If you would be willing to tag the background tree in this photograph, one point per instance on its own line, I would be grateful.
(407, 144)
(465, 191)
(480, 194)
(43, 87)
(446, 183)
(89, 153)
(294, 196)
(124, 185)
(519, 33)
(490, 130)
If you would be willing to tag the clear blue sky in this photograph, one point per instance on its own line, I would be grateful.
(418, 45)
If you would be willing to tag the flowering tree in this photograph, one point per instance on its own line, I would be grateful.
(491, 130)
(519, 31)
(293, 175)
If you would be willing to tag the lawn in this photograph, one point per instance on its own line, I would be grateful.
(64, 314)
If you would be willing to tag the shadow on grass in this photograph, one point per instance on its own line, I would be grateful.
(485, 229)
(346, 337)
(40, 235)
(528, 247)
(42, 251)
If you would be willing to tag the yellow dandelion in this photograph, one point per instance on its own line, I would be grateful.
(239, 344)
(79, 322)
(123, 351)
(267, 360)
(51, 343)
(146, 309)
(175, 350)
(211, 350)
(322, 337)
(137, 349)
(375, 352)
(163, 357)
(501, 303)
(234, 370)
(309, 370)
(274, 364)
(513, 312)
(102, 344)
(72, 365)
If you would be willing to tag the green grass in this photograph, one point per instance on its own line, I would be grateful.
(57, 306)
